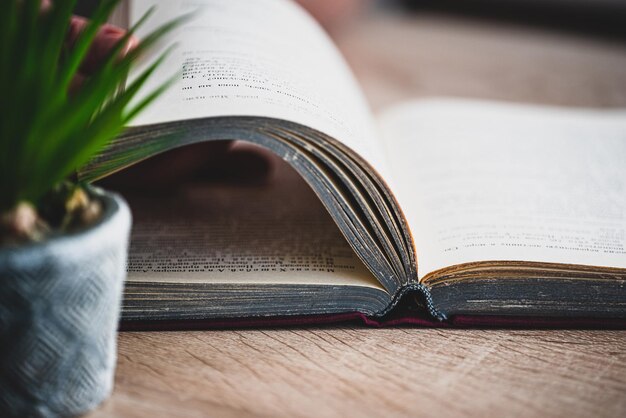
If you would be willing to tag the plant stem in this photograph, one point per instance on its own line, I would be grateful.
(22, 223)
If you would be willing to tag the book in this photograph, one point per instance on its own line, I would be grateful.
(435, 209)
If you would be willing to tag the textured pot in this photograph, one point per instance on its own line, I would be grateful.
(59, 308)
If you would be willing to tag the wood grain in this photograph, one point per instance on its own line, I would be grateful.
(354, 371)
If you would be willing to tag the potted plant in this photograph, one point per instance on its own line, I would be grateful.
(62, 244)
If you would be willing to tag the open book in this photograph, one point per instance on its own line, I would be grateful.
(456, 207)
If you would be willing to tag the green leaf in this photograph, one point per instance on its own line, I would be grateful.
(45, 134)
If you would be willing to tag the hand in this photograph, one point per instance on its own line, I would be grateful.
(215, 161)
(106, 38)
(205, 161)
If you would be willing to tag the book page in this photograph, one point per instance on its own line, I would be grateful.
(264, 58)
(276, 233)
(480, 181)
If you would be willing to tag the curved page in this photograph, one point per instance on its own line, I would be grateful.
(266, 73)
(210, 250)
(264, 58)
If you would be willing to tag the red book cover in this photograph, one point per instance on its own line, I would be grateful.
(404, 318)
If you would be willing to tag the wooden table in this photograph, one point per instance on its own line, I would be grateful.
(353, 371)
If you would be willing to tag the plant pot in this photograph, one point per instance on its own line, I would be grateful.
(59, 309)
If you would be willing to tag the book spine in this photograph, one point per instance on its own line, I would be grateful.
(413, 289)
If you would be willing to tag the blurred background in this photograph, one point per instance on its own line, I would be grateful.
(595, 17)
(551, 52)
(562, 52)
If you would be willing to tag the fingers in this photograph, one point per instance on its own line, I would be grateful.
(207, 161)
(106, 39)
(167, 169)
(45, 5)
(244, 163)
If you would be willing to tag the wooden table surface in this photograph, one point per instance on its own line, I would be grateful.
(354, 371)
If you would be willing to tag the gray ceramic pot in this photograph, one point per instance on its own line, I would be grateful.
(59, 308)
